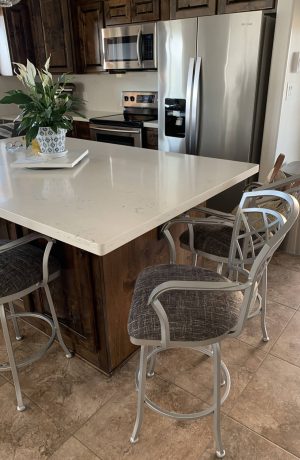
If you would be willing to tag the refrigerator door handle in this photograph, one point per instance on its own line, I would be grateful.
(188, 105)
(194, 123)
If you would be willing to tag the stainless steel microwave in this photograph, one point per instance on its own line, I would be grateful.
(131, 47)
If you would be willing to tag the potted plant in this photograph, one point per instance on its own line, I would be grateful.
(46, 110)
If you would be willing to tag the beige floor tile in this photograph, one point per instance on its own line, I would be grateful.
(270, 405)
(192, 371)
(277, 318)
(240, 443)
(28, 435)
(107, 433)
(72, 449)
(288, 345)
(284, 285)
(69, 390)
(286, 260)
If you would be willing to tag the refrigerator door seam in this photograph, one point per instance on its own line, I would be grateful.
(195, 107)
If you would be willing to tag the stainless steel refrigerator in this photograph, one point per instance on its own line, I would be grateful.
(213, 78)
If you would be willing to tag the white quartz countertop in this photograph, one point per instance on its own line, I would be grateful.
(112, 196)
(151, 124)
(86, 115)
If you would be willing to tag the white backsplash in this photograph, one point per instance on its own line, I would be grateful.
(100, 91)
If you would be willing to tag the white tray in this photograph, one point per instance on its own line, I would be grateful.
(39, 162)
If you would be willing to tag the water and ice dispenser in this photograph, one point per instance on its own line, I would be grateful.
(175, 117)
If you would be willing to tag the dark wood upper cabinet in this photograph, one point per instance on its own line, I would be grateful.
(180, 9)
(88, 23)
(52, 34)
(236, 6)
(17, 22)
(145, 10)
(117, 12)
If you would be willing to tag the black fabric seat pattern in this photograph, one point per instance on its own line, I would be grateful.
(21, 268)
(212, 239)
(193, 315)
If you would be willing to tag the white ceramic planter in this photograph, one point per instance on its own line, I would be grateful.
(52, 144)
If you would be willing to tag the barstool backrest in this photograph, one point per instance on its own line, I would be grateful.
(257, 233)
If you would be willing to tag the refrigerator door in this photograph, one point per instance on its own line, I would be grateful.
(176, 46)
(229, 47)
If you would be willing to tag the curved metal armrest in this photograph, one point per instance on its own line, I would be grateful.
(186, 285)
(214, 212)
(196, 286)
(24, 240)
(27, 239)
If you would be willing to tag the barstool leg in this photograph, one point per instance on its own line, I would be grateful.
(220, 452)
(264, 285)
(195, 259)
(11, 359)
(141, 394)
(220, 268)
(68, 353)
(150, 372)
(15, 321)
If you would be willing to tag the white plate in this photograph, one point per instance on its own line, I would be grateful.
(40, 162)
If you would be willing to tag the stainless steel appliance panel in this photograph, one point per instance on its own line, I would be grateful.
(131, 137)
(229, 47)
(131, 47)
(176, 47)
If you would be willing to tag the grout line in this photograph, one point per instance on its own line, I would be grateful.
(262, 436)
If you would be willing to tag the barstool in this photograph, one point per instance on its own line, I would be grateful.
(24, 268)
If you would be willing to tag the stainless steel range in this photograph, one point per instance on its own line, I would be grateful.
(126, 128)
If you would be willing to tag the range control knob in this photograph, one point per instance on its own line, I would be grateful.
(126, 98)
(132, 98)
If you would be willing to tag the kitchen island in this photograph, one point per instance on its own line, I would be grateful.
(105, 214)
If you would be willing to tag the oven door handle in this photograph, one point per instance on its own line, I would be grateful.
(138, 47)
(131, 131)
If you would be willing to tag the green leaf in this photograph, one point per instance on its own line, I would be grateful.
(16, 97)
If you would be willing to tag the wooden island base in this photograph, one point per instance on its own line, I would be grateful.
(93, 295)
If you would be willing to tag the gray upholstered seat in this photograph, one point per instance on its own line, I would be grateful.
(193, 315)
(21, 267)
(7, 130)
(211, 239)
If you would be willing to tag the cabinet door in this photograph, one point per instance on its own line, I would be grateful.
(190, 8)
(117, 12)
(150, 138)
(89, 24)
(145, 10)
(52, 34)
(19, 34)
(235, 6)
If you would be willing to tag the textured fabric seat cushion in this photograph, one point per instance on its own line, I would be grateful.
(193, 315)
(21, 268)
(212, 239)
(7, 130)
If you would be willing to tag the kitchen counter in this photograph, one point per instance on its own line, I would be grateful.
(151, 124)
(105, 214)
(86, 115)
(115, 195)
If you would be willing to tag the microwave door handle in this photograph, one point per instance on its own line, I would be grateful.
(138, 47)
(188, 104)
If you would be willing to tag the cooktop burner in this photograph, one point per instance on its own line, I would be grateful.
(124, 119)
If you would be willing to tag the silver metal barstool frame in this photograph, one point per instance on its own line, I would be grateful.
(53, 323)
(271, 234)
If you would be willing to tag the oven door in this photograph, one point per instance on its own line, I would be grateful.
(117, 135)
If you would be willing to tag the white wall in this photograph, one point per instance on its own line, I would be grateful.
(282, 123)
(5, 65)
(101, 91)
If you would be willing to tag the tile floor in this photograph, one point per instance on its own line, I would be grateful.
(74, 412)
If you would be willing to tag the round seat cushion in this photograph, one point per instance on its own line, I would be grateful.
(193, 315)
(21, 268)
(211, 239)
